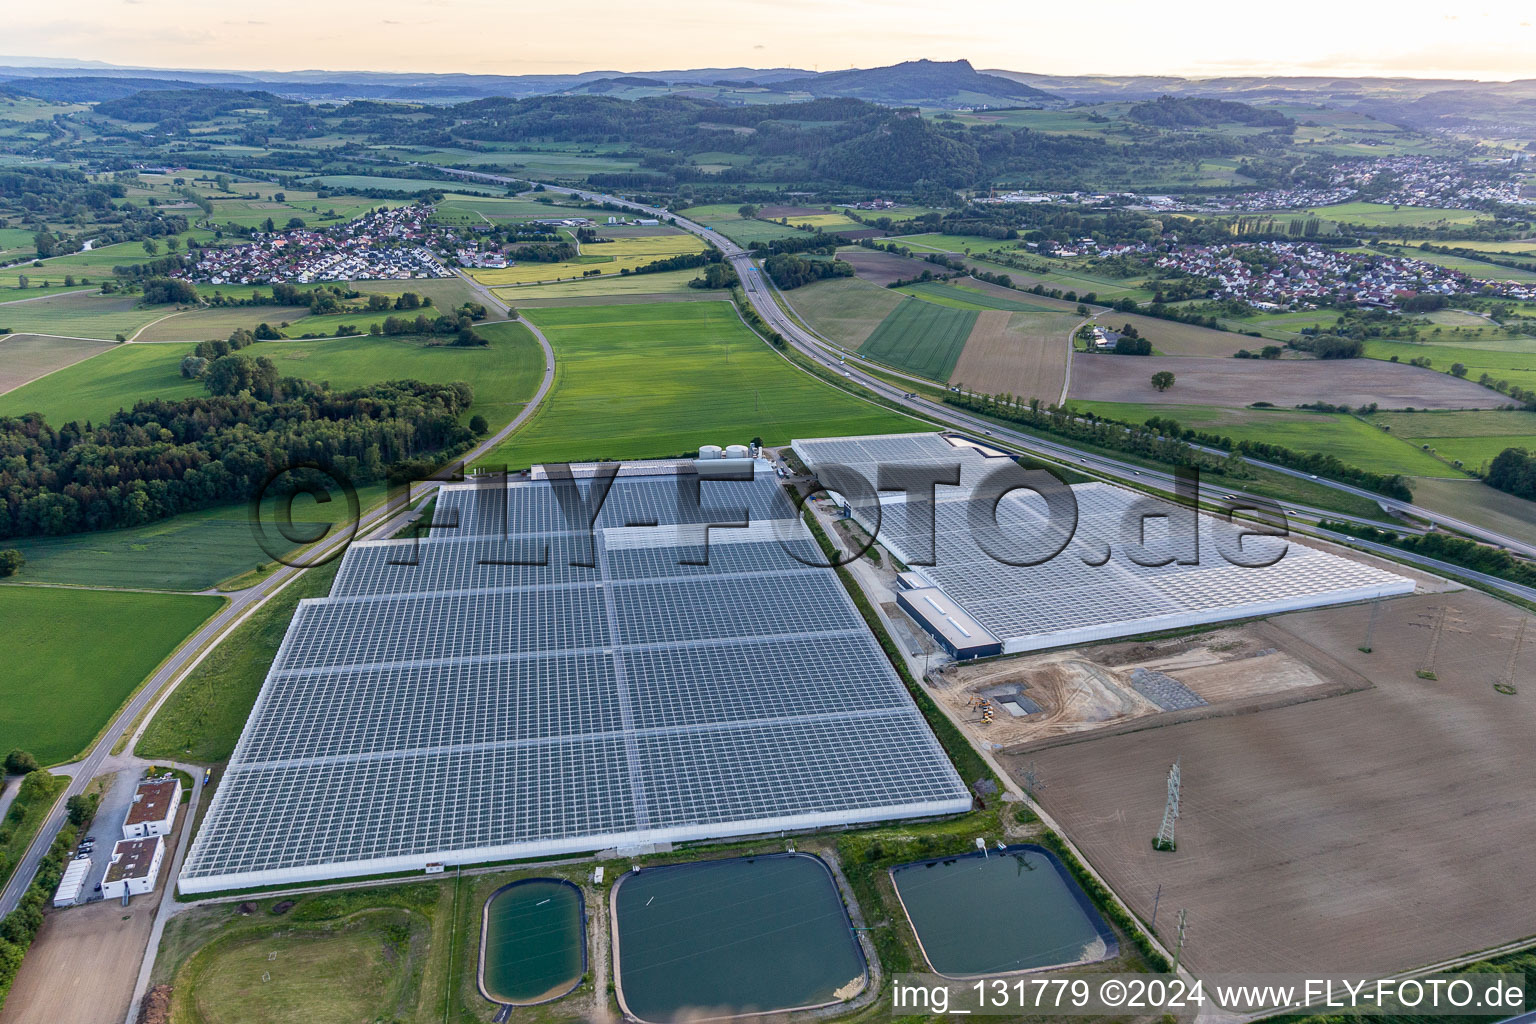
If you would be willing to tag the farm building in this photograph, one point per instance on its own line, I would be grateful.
(153, 811)
(517, 686)
(1130, 564)
(135, 864)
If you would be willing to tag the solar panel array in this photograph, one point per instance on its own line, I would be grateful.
(474, 696)
(1094, 589)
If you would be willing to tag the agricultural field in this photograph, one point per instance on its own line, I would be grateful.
(130, 633)
(82, 314)
(1023, 354)
(446, 292)
(466, 210)
(961, 244)
(26, 357)
(1360, 443)
(960, 297)
(605, 258)
(1313, 817)
(1507, 247)
(1284, 382)
(647, 381)
(190, 552)
(1475, 502)
(95, 264)
(1512, 360)
(922, 338)
(668, 282)
(219, 322)
(822, 220)
(844, 310)
(722, 217)
(368, 181)
(1378, 215)
(1474, 438)
(882, 268)
(1479, 269)
(1171, 338)
(504, 374)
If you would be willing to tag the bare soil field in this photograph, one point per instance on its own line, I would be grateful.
(1284, 382)
(883, 267)
(1095, 689)
(205, 324)
(26, 357)
(1376, 831)
(1172, 338)
(1020, 353)
(845, 310)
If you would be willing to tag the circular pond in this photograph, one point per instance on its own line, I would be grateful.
(1006, 911)
(533, 942)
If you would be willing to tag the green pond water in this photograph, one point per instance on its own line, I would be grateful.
(734, 936)
(1013, 910)
(535, 945)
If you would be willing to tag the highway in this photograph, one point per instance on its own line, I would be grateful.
(242, 604)
(759, 294)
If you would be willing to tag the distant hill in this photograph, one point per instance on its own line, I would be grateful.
(1200, 112)
(920, 82)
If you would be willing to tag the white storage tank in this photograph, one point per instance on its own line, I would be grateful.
(737, 451)
(711, 451)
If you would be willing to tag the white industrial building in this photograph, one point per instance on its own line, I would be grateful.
(134, 867)
(75, 874)
(513, 687)
(1103, 584)
(153, 811)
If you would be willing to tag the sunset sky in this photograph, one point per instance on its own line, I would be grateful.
(1492, 40)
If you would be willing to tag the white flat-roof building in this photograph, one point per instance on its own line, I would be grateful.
(1125, 571)
(135, 865)
(68, 892)
(153, 811)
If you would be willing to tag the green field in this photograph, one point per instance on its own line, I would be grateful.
(192, 551)
(722, 217)
(652, 380)
(1378, 215)
(1354, 441)
(1479, 269)
(1514, 361)
(504, 375)
(96, 264)
(961, 297)
(81, 315)
(74, 656)
(920, 337)
(843, 309)
(202, 719)
(201, 324)
(367, 181)
(667, 282)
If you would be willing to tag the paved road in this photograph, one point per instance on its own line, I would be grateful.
(759, 293)
(241, 605)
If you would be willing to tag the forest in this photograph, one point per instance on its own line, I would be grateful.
(162, 457)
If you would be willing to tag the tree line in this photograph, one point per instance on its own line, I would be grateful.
(163, 457)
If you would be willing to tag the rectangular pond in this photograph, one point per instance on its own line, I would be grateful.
(1010, 910)
(722, 938)
(533, 942)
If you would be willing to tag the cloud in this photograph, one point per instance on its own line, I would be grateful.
(759, 46)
